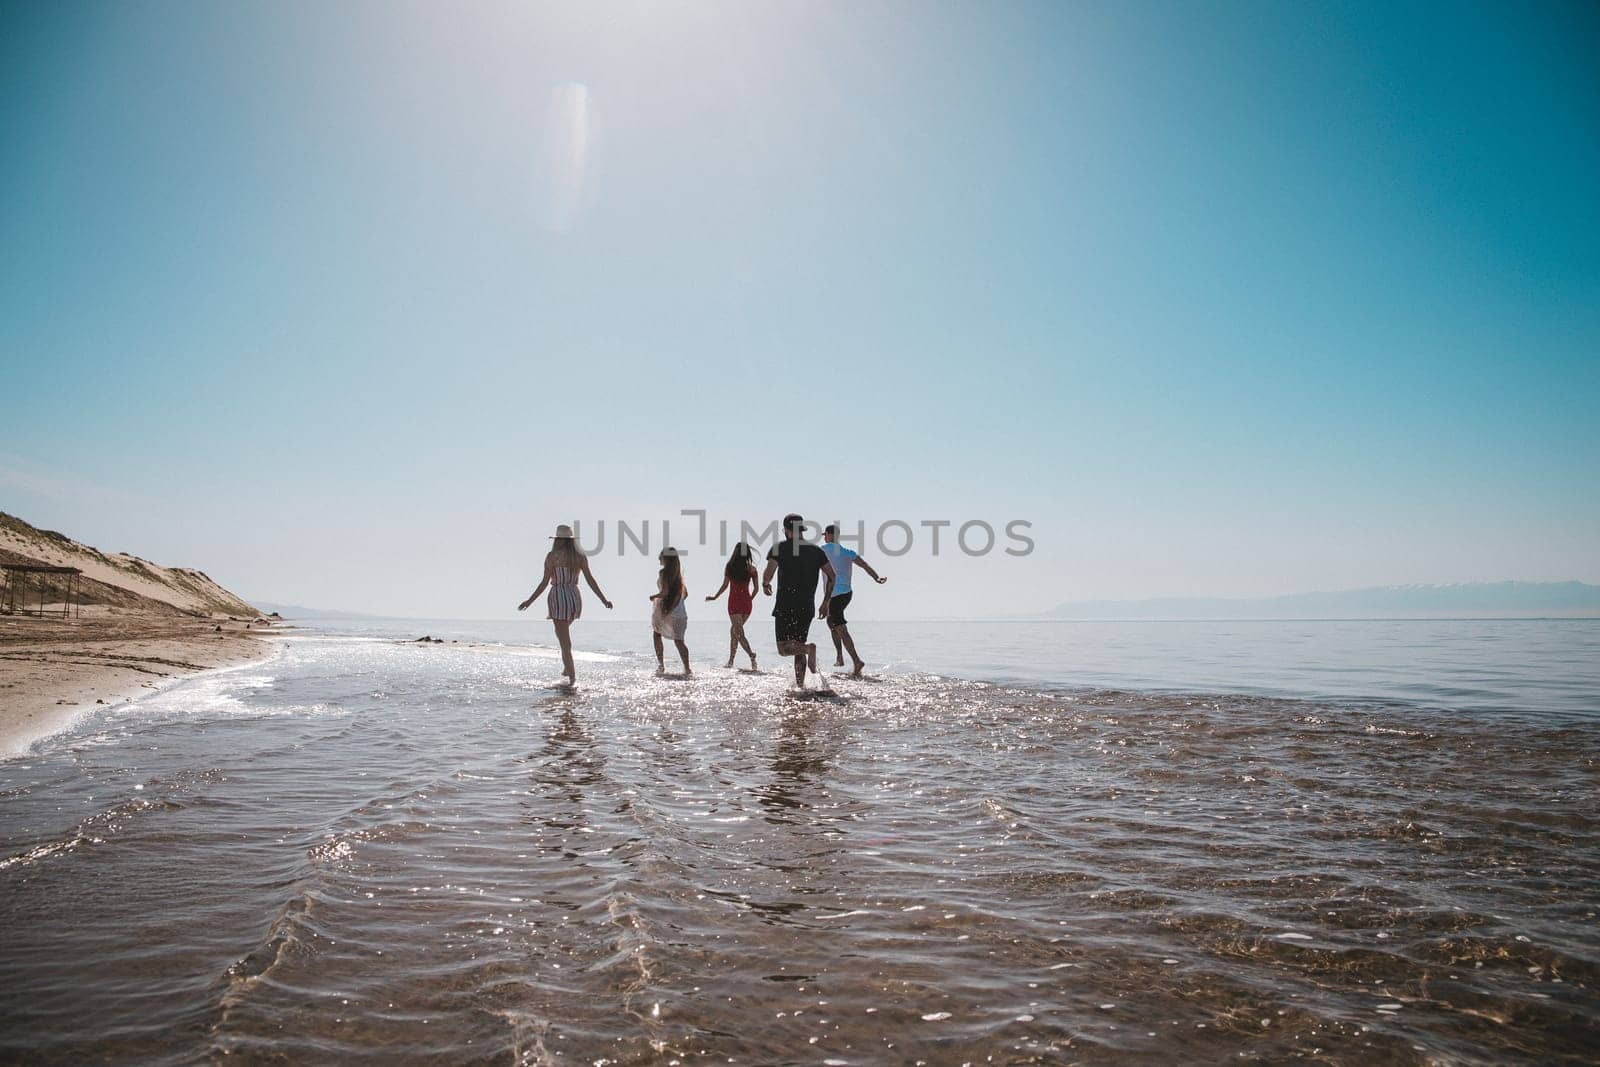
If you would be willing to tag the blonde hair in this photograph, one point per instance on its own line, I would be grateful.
(565, 552)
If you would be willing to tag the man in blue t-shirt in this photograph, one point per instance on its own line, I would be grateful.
(843, 559)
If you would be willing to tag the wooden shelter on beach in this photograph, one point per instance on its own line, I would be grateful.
(30, 582)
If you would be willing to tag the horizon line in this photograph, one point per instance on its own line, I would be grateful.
(1045, 618)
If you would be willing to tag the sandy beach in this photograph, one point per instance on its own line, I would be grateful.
(51, 670)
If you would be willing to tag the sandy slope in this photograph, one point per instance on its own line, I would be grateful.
(52, 670)
(118, 578)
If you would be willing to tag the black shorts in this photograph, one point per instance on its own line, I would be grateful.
(836, 608)
(792, 623)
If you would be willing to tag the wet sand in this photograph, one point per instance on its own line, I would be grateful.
(52, 670)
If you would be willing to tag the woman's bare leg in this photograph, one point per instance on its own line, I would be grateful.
(661, 663)
(738, 628)
(734, 632)
(564, 639)
(683, 654)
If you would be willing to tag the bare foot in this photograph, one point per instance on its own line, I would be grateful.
(660, 670)
(857, 672)
(728, 666)
(839, 662)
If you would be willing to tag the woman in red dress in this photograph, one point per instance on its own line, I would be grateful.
(739, 578)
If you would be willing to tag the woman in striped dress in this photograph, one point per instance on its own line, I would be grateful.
(563, 565)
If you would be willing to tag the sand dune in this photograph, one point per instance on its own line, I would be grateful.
(119, 579)
(141, 623)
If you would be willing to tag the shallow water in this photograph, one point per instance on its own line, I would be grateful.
(365, 849)
(1541, 668)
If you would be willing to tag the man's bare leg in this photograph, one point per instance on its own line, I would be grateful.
(811, 658)
(798, 651)
(842, 634)
(838, 646)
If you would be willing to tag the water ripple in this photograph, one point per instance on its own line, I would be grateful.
(381, 851)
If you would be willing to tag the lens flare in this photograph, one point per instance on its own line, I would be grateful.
(562, 183)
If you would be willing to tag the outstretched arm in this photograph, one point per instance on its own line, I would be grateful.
(549, 572)
(864, 565)
(589, 577)
(720, 588)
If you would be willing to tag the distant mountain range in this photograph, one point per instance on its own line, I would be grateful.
(297, 611)
(1460, 601)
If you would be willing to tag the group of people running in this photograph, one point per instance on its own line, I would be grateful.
(798, 566)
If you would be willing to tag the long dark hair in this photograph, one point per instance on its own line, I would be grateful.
(739, 564)
(671, 579)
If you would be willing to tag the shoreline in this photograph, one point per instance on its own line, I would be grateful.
(53, 671)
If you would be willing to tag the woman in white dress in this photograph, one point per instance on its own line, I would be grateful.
(670, 616)
(563, 565)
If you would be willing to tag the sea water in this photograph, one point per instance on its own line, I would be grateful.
(1009, 843)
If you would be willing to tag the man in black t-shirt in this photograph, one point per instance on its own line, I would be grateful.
(797, 566)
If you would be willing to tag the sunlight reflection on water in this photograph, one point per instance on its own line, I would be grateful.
(369, 845)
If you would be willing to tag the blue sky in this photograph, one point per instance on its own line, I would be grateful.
(348, 304)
